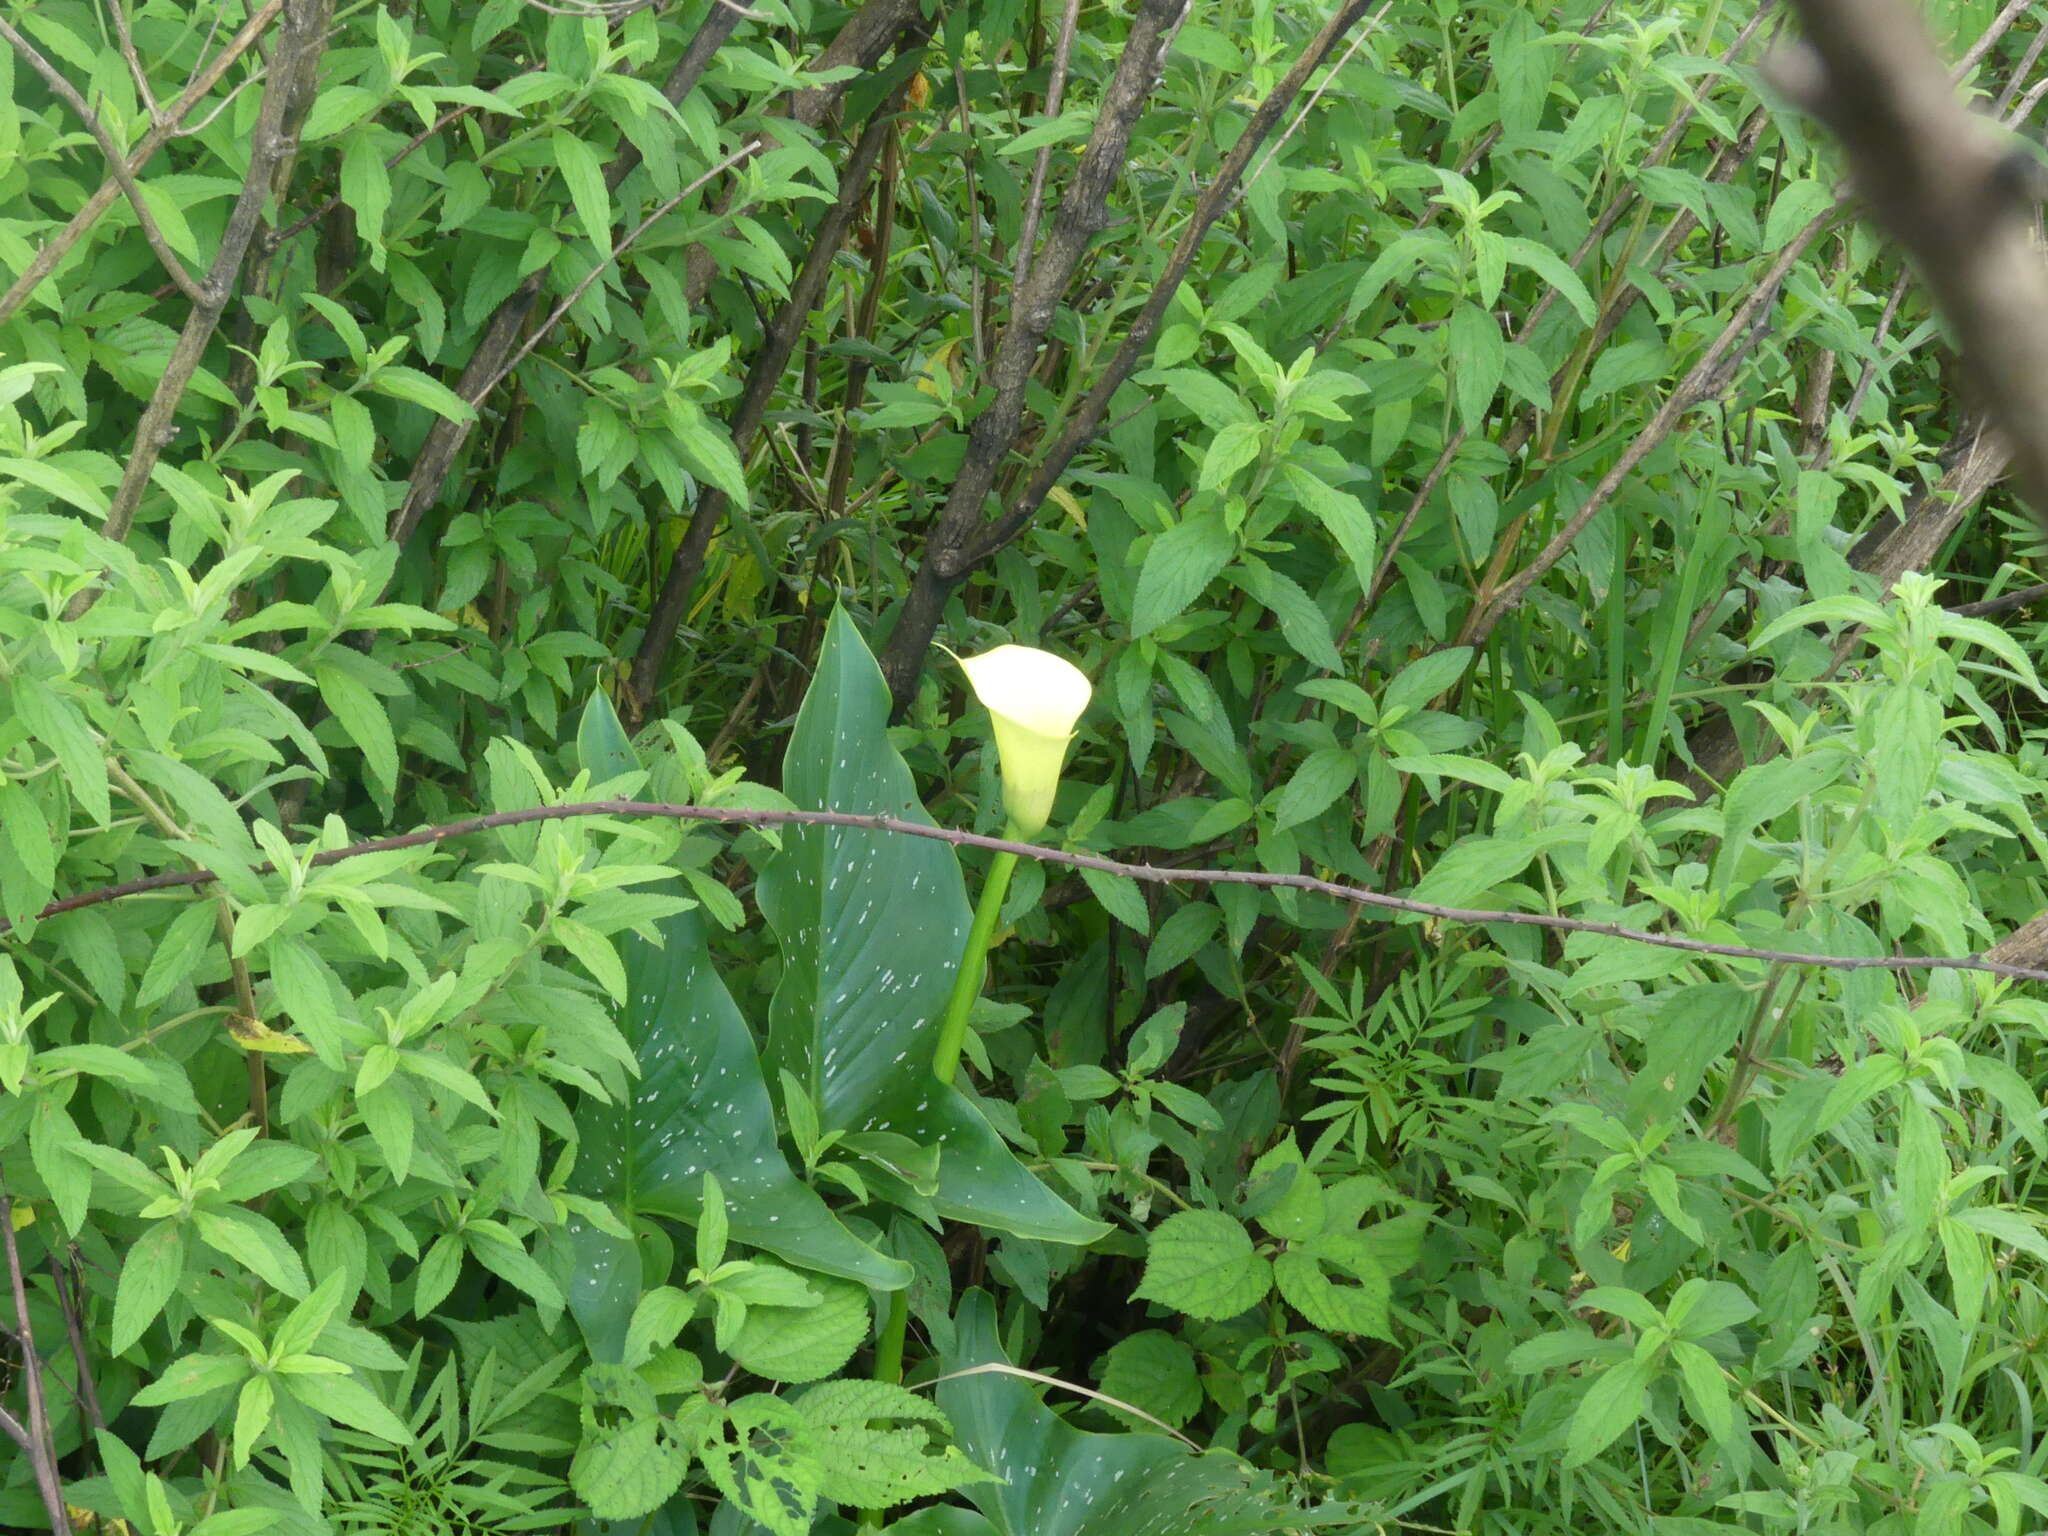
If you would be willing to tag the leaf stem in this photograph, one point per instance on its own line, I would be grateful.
(889, 1368)
(967, 980)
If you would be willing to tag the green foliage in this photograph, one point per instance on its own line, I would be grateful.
(589, 1174)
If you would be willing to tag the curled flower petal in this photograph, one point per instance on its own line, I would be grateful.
(1035, 699)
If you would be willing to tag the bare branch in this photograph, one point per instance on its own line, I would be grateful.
(1055, 93)
(1711, 374)
(1945, 184)
(2005, 602)
(733, 816)
(58, 246)
(856, 43)
(41, 1450)
(751, 408)
(117, 158)
(302, 35)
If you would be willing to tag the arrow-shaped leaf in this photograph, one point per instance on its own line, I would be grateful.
(871, 926)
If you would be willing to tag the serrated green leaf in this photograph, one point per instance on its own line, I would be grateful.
(1203, 1263)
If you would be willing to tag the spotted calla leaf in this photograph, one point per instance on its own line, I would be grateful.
(1063, 1481)
(871, 926)
(700, 1104)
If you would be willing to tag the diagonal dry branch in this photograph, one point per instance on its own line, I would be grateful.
(964, 536)
(861, 42)
(1083, 215)
(1952, 189)
(751, 409)
(59, 245)
(117, 158)
(287, 96)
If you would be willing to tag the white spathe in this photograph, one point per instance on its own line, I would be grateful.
(1035, 699)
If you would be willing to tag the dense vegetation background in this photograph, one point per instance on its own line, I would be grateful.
(1477, 455)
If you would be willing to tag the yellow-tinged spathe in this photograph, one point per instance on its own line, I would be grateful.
(1035, 699)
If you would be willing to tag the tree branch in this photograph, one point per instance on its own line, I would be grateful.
(1949, 187)
(432, 837)
(301, 36)
(117, 159)
(963, 536)
(55, 249)
(1083, 215)
(41, 1450)
(854, 44)
(752, 406)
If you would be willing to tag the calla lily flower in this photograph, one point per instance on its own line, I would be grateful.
(1035, 699)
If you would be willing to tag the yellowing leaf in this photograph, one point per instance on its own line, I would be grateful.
(255, 1035)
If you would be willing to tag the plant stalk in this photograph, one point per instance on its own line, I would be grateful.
(967, 981)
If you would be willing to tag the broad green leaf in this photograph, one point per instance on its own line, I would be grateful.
(149, 1274)
(1156, 1372)
(626, 1468)
(805, 1343)
(700, 1105)
(583, 171)
(1336, 1284)
(1062, 1481)
(1612, 1402)
(1324, 775)
(1554, 270)
(1301, 622)
(366, 188)
(347, 1400)
(1706, 1392)
(871, 928)
(255, 1243)
(363, 717)
(1203, 1263)
(1178, 567)
(60, 729)
(1478, 353)
(1344, 515)
(873, 1441)
(1795, 207)
(1120, 897)
(1475, 867)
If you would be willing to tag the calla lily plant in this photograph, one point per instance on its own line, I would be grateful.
(1034, 699)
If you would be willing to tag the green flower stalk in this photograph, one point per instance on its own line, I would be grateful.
(1034, 700)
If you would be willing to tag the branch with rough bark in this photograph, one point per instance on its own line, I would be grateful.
(1952, 189)
(287, 96)
(117, 158)
(166, 128)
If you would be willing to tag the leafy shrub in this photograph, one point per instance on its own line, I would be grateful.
(1479, 463)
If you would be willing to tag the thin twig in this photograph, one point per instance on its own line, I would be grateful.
(429, 837)
(524, 349)
(135, 70)
(964, 537)
(58, 246)
(1055, 93)
(451, 115)
(42, 1451)
(117, 159)
(2003, 603)
(778, 342)
(1713, 372)
(69, 1294)
(301, 36)
(1948, 186)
